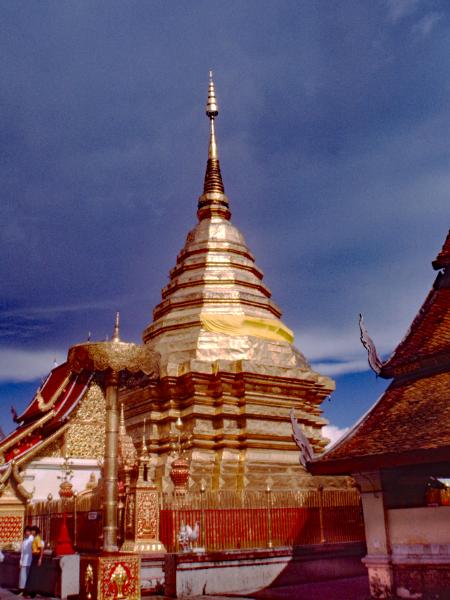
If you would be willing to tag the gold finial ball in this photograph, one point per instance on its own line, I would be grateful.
(212, 108)
(50, 497)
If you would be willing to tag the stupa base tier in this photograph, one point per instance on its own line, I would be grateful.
(246, 469)
(236, 427)
(110, 576)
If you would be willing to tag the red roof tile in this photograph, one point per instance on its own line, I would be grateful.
(409, 416)
(443, 258)
(54, 380)
(429, 334)
(411, 420)
(59, 395)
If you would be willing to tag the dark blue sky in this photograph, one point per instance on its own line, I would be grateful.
(333, 136)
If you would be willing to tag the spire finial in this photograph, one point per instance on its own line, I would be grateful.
(144, 452)
(116, 334)
(122, 429)
(213, 200)
(212, 110)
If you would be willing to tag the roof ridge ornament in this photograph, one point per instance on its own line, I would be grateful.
(213, 201)
(375, 362)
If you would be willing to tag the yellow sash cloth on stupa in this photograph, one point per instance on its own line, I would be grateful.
(269, 329)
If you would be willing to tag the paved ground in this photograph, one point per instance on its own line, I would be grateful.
(355, 588)
(7, 595)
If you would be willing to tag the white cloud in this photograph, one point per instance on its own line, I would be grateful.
(26, 365)
(426, 24)
(338, 352)
(341, 368)
(399, 9)
(333, 433)
(51, 310)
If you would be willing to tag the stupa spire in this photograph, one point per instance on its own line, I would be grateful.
(213, 201)
(116, 333)
(212, 110)
(122, 428)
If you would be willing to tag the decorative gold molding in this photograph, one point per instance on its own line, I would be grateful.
(115, 356)
(85, 437)
(26, 431)
(42, 404)
(32, 452)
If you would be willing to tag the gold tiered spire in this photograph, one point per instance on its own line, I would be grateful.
(213, 201)
(216, 305)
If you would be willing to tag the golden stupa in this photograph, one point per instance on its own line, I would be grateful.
(228, 365)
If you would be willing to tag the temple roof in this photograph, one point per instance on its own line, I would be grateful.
(411, 420)
(216, 305)
(45, 416)
(443, 258)
(428, 338)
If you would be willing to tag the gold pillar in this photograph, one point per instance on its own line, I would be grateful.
(110, 464)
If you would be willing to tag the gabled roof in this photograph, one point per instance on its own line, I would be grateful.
(411, 420)
(46, 414)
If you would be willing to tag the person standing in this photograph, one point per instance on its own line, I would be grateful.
(33, 584)
(25, 558)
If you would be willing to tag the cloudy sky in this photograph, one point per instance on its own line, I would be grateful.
(333, 136)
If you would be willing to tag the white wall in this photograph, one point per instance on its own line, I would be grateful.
(423, 525)
(42, 475)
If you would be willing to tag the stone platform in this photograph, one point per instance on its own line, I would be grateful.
(252, 572)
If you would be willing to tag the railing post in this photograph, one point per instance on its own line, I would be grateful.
(322, 531)
(49, 519)
(269, 515)
(75, 518)
(202, 514)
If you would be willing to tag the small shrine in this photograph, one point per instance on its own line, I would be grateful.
(399, 453)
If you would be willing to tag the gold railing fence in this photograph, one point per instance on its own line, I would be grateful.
(261, 519)
(84, 519)
(227, 519)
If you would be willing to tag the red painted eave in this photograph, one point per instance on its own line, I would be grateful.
(48, 388)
